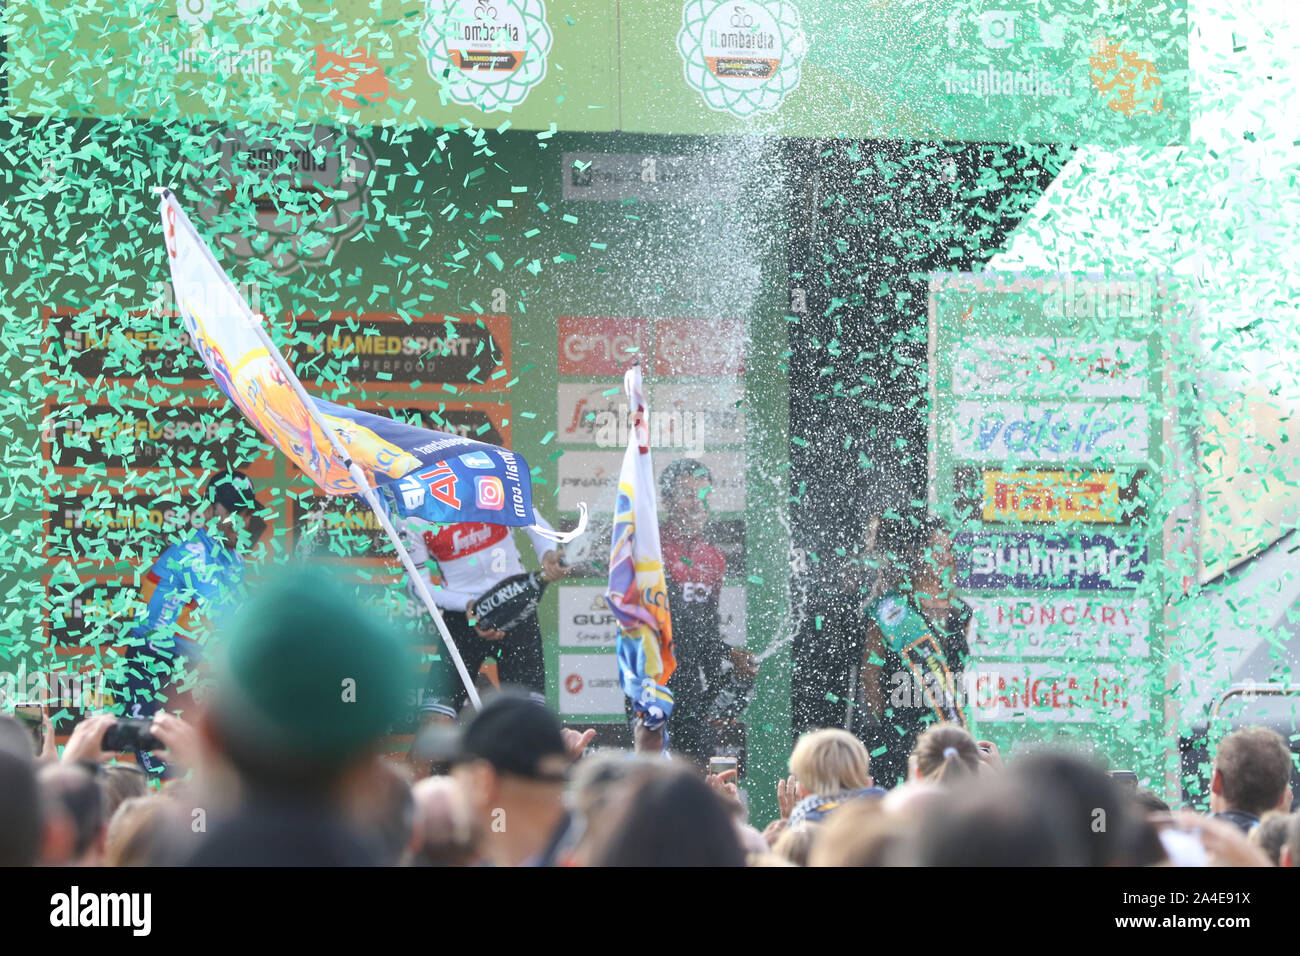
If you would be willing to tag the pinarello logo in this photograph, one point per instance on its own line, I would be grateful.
(491, 496)
(573, 683)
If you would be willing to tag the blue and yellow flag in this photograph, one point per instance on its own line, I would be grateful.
(440, 477)
(638, 591)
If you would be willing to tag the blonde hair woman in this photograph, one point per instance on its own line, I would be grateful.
(831, 767)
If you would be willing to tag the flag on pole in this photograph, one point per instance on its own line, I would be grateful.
(638, 592)
(434, 475)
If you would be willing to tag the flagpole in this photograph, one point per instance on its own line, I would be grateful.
(358, 476)
(372, 499)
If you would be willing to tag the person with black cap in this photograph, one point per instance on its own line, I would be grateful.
(512, 763)
(203, 569)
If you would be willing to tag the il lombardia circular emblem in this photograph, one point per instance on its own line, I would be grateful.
(307, 188)
(744, 58)
(486, 53)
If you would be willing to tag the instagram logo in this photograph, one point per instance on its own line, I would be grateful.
(491, 495)
(997, 29)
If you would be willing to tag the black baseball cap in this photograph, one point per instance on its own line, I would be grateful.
(233, 490)
(517, 736)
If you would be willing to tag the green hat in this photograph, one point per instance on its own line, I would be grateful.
(308, 673)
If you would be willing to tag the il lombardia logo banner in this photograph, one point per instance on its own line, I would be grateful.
(486, 53)
(307, 187)
(744, 58)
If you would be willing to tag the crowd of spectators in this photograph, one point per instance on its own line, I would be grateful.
(283, 767)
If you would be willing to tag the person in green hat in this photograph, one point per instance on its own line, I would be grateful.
(307, 688)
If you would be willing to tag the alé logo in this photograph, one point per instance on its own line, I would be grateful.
(486, 53)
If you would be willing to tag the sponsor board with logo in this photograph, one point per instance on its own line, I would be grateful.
(742, 58)
(476, 420)
(717, 408)
(592, 476)
(586, 621)
(592, 414)
(208, 54)
(1040, 367)
(641, 176)
(1057, 562)
(1044, 496)
(585, 617)
(1054, 73)
(1082, 626)
(96, 525)
(342, 527)
(1043, 691)
(606, 346)
(83, 344)
(130, 436)
(681, 417)
(699, 346)
(598, 345)
(113, 526)
(90, 611)
(1050, 431)
(588, 685)
(307, 187)
(486, 53)
(381, 350)
(1043, 417)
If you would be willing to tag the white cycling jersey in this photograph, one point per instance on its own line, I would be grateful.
(472, 557)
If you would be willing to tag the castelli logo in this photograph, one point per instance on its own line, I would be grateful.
(573, 683)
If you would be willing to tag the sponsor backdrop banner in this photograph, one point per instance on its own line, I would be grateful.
(1045, 452)
(507, 324)
(1064, 71)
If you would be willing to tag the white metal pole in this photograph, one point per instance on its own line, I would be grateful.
(372, 499)
(421, 586)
